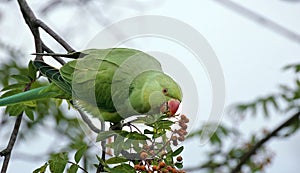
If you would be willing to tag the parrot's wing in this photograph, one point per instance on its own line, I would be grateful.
(54, 75)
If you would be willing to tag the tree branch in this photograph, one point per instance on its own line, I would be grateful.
(34, 24)
(6, 153)
(54, 35)
(259, 144)
(88, 121)
(261, 20)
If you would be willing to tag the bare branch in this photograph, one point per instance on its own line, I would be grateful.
(100, 167)
(34, 24)
(260, 143)
(54, 35)
(48, 50)
(261, 20)
(29, 18)
(6, 153)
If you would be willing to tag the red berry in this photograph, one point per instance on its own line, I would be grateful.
(179, 158)
(162, 164)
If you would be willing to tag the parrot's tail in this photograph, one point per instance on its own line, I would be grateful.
(34, 94)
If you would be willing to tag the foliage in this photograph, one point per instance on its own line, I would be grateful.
(227, 148)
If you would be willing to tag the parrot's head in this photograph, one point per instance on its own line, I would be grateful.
(154, 92)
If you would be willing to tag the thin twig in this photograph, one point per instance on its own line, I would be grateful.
(86, 119)
(6, 153)
(103, 146)
(78, 166)
(29, 18)
(54, 35)
(48, 50)
(259, 144)
(261, 20)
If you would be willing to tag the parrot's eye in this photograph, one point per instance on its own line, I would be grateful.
(165, 91)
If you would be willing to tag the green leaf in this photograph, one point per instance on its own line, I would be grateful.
(14, 86)
(21, 78)
(150, 119)
(11, 92)
(32, 70)
(179, 165)
(169, 160)
(73, 168)
(215, 139)
(273, 101)
(178, 151)
(124, 168)
(15, 110)
(115, 160)
(29, 114)
(118, 145)
(164, 124)
(58, 162)
(146, 131)
(79, 153)
(104, 135)
(136, 136)
(159, 133)
(265, 108)
(41, 169)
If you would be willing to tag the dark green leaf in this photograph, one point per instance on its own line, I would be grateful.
(178, 151)
(21, 78)
(14, 86)
(136, 136)
(11, 92)
(146, 131)
(29, 114)
(79, 153)
(124, 168)
(179, 165)
(73, 168)
(32, 70)
(115, 160)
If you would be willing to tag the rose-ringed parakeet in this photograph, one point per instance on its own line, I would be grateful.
(111, 84)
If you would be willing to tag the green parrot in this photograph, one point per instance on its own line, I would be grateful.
(110, 84)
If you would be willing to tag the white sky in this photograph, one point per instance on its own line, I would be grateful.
(251, 56)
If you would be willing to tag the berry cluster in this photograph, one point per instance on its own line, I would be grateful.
(179, 134)
(161, 167)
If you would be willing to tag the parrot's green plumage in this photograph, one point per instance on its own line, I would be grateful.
(111, 84)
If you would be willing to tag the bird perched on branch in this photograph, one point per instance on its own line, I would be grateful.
(111, 84)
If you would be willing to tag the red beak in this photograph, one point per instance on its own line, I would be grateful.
(170, 107)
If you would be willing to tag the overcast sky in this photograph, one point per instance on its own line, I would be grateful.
(251, 56)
